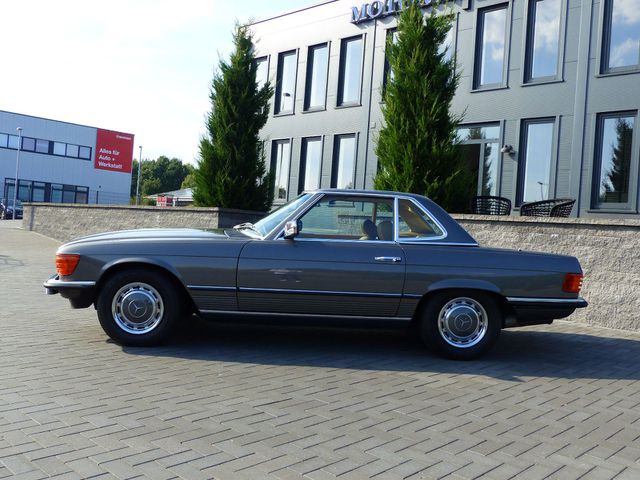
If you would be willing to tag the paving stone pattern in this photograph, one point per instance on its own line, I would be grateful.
(233, 402)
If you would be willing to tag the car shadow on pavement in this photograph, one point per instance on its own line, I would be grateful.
(519, 353)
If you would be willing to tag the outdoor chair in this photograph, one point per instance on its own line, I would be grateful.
(490, 205)
(554, 207)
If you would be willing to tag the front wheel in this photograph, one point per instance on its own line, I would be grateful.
(461, 325)
(138, 307)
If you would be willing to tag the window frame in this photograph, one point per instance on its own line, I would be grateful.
(522, 160)
(482, 142)
(278, 90)
(335, 159)
(527, 47)
(308, 84)
(340, 103)
(303, 161)
(604, 44)
(273, 165)
(477, 60)
(631, 205)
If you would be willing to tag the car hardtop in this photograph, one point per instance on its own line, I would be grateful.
(455, 233)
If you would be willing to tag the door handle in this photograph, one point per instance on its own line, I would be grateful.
(388, 259)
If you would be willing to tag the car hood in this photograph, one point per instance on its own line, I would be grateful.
(151, 234)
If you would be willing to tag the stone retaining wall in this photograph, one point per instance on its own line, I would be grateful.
(608, 249)
(67, 221)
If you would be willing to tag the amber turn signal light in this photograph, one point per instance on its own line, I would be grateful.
(572, 283)
(66, 263)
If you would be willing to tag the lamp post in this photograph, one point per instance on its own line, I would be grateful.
(139, 175)
(15, 185)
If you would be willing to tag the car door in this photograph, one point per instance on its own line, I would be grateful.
(343, 262)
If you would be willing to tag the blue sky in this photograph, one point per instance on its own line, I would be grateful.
(138, 66)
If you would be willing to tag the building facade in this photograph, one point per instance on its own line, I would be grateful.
(63, 162)
(549, 91)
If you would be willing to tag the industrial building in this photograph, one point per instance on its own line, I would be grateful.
(63, 162)
(549, 89)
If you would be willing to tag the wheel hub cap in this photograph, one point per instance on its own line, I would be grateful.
(137, 308)
(462, 322)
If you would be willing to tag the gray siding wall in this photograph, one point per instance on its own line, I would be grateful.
(573, 101)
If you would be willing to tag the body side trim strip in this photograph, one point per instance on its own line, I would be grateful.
(319, 292)
(558, 301)
(211, 288)
(297, 315)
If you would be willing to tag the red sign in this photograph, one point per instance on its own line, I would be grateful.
(114, 151)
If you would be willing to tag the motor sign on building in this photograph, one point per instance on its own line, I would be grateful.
(114, 151)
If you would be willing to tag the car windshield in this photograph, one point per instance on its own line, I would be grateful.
(271, 221)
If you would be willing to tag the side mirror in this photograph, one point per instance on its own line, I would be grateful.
(291, 229)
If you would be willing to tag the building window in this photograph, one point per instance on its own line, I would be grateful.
(262, 71)
(28, 144)
(316, 83)
(286, 82)
(621, 42)
(72, 151)
(491, 39)
(613, 167)
(14, 141)
(481, 147)
(310, 164)
(4, 140)
(42, 146)
(447, 47)
(350, 78)
(392, 37)
(536, 148)
(344, 161)
(59, 148)
(85, 153)
(280, 160)
(543, 39)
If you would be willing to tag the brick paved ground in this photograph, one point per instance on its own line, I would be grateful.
(561, 401)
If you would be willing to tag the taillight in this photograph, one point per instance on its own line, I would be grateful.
(572, 283)
(66, 263)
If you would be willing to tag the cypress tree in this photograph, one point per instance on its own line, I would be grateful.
(231, 172)
(417, 147)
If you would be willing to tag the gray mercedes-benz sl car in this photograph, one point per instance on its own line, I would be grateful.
(334, 255)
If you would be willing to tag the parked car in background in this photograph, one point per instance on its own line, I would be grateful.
(6, 209)
(337, 255)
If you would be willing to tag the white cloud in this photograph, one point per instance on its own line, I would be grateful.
(625, 53)
(626, 12)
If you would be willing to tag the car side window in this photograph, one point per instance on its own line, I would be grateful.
(414, 224)
(346, 218)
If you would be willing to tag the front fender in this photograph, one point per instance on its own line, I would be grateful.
(155, 262)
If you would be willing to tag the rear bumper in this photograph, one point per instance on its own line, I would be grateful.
(80, 294)
(535, 311)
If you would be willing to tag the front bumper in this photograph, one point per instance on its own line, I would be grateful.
(535, 311)
(81, 294)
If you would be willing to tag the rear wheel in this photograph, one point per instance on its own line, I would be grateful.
(461, 324)
(138, 307)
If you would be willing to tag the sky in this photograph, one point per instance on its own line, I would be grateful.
(136, 66)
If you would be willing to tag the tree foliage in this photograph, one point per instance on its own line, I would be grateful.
(161, 175)
(231, 171)
(417, 147)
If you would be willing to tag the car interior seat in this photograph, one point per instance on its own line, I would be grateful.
(385, 230)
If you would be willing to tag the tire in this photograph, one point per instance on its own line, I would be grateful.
(461, 325)
(138, 307)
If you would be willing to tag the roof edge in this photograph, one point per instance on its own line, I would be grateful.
(290, 12)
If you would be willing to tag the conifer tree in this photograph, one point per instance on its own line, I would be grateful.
(231, 171)
(417, 148)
